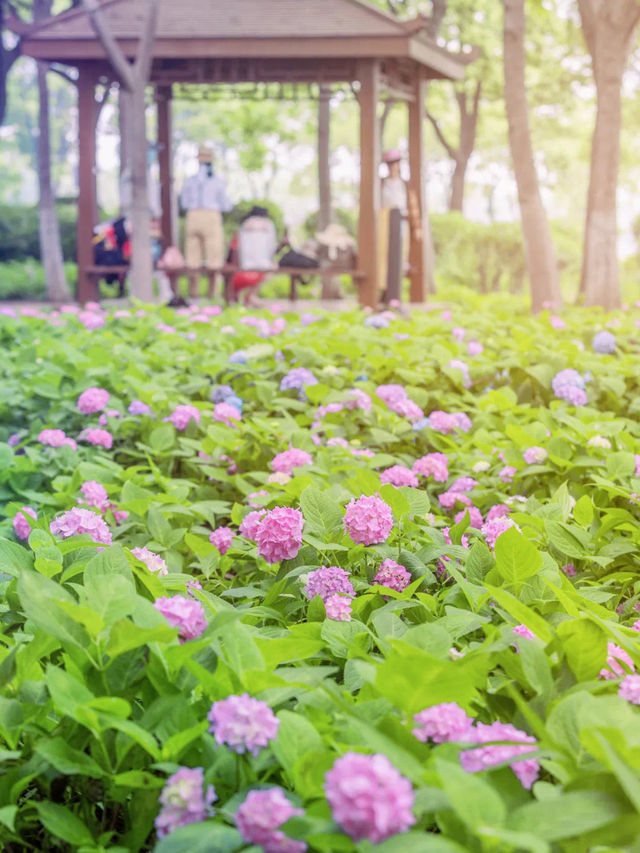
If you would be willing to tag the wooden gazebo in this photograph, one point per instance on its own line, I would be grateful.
(257, 41)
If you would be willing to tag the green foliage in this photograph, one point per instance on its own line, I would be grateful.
(100, 701)
(19, 235)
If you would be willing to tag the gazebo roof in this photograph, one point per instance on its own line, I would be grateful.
(250, 29)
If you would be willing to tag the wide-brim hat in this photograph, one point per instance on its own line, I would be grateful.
(392, 156)
(205, 155)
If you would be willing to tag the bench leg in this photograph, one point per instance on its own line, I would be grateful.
(194, 283)
(293, 293)
(213, 278)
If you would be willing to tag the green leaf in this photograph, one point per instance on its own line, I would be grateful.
(585, 646)
(521, 613)
(396, 500)
(418, 842)
(620, 465)
(8, 816)
(68, 760)
(205, 837)
(626, 776)
(41, 599)
(516, 557)
(583, 511)
(296, 736)
(62, 823)
(565, 540)
(322, 514)
(565, 815)
(162, 438)
(475, 801)
(14, 558)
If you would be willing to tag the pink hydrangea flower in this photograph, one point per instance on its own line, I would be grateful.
(257, 500)
(569, 570)
(491, 530)
(523, 631)
(192, 587)
(399, 475)
(227, 414)
(498, 511)
(507, 473)
(183, 800)
(475, 517)
(475, 348)
(463, 484)
(338, 608)
(458, 332)
(152, 561)
(181, 416)
(243, 723)
(259, 817)
(442, 723)
(78, 521)
(462, 421)
(250, 524)
(97, 437)
(326, 581)
(449, 499)
(279, 534)
(432, 465)
(95, 495)
(368, 520)
(338, 441)
(278, 478)
(21, 526)
(637, 461)
(286, 461)
(392, 575)
(368, 797)
(616, 657)
(485, 757)
(630, 689)
(636, 625)
(358, 399)
(182, 613)
(91, 320)
(534, 455)
(407, 409)
(391, 394)
(221, 538)
(92, 400)
(56, 438)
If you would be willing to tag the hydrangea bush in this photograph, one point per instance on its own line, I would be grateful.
(374, 588)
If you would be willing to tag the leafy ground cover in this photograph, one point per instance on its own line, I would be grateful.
(327, 582)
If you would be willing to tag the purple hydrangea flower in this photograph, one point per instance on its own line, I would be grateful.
(184, 614)
(441, 723)
(326, 581)
(183, 800)
(260, 816)
(243, 723)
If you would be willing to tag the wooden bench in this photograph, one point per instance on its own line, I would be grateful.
(227, 272)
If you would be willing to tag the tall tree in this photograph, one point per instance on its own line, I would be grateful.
(8, 55)
(50, 245)
(539, 253)
(330, 283)
(609, 27)
(133, 78)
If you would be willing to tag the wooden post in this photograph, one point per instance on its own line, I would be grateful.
(418, 260)
(87, 285)
(368, 249)
(165, 162)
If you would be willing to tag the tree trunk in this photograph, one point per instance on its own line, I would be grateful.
(141, 275)
(50, 246)
(330, 283)
(539, 253)
(468, 130)
(608, 32)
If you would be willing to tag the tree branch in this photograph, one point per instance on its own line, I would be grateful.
(116, 57)
(438, 11)
(451, 151)
(63, 74)
(142, 67)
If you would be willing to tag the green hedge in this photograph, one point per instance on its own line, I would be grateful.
(19, 236)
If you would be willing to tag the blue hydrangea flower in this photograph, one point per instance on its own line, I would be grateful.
(604, 342)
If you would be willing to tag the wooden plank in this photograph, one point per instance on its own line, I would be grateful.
(165, 162)
(368, 247)
(418, 245)
(87, 287)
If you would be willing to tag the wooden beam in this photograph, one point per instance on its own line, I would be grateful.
(165, 162)
(87, 287)
(418, 260)
(368, 248)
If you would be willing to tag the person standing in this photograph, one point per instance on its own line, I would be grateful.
(204, 198)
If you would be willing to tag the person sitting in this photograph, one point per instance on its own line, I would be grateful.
(252, 249)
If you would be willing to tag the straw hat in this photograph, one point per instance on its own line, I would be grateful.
(204, 154)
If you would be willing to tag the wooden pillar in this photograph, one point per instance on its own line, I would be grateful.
(368, 249)
(165, 162)
(87, 286)
(418, 248)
